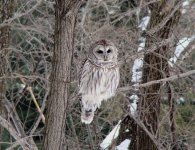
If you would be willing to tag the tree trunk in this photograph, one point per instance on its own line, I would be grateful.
(155, 67)
(65, 19)
(5, 12)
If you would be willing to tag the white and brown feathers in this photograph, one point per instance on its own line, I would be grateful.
(99, 77)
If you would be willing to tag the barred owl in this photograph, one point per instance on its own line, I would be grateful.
(99, 78)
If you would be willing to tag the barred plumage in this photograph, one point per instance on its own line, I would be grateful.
(99, 78)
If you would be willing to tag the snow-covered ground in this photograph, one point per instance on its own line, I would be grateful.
(180, 100)
(110, 137)
(124, 145)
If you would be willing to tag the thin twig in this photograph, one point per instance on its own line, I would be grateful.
(29, 88)
(36, 104)
(4, 123)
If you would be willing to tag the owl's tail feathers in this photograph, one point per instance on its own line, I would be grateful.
(87, 116)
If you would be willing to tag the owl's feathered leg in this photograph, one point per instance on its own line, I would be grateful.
(88, 108)
(87, 116)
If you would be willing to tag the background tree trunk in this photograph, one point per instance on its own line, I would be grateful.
(155, 67)
(5, 12)
(65, 19)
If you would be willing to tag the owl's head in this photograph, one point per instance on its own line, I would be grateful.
(103, 51)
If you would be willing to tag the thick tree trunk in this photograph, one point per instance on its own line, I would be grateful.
(155, 67)
(65, 19)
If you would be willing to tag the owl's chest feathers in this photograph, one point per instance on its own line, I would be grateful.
(99, 80)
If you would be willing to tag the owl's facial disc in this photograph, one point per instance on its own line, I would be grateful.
(109, 53)
(104, 53)
(99, 52)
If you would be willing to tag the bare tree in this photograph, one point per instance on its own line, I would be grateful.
(144, 130)
(27, 59)
(65, 20)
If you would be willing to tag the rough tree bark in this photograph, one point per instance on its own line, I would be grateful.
(65, 19)
(5, 12)
(155, 67)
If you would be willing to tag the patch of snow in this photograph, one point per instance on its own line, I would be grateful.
(137, 74)
(124, 145)
(184, 5)
(16, 14)
(142, 44)
(134, 97)
(181, 45)
(181, 100)
(22, 86)
(111, 136)
(112, 11)
(133, 105)
(138, 63)
(144, 22)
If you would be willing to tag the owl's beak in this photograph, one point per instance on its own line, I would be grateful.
(105, 58)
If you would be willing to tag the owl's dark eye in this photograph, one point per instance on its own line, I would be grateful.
(100, 52)
(109, 51)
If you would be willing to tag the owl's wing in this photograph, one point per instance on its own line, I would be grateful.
(81, 69)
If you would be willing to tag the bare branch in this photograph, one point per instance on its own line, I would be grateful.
(171, 78)
(4, 123)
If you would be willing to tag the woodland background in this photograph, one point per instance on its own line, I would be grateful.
(156, 43)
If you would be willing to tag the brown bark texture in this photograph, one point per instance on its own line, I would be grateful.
(155, 67)
(5, 12)
(65, 19)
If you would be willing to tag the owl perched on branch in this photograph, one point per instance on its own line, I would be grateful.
(99, 78)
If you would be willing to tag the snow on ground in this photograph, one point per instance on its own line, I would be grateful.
(110, 137)
(124, 145)
(22, 86)
(181, 45)
(180, 100)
